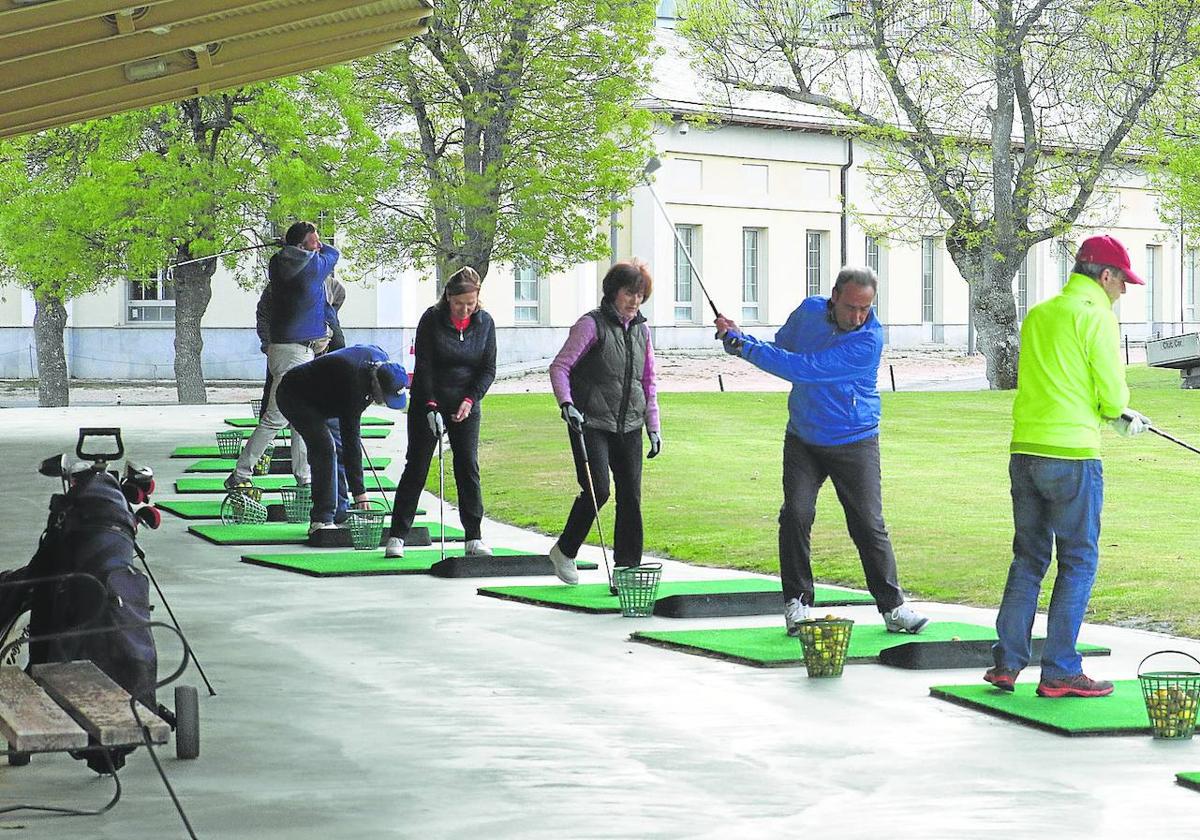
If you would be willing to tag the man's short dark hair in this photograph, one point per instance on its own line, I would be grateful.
(297, 232)
(858, 275)
(1093, 270)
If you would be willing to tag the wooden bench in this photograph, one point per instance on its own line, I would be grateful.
(65, 707)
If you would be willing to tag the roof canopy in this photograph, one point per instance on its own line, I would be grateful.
(67, 60)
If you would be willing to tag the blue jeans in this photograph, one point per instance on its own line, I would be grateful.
(1056, 503)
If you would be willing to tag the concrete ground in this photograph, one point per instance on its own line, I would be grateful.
(408, 706)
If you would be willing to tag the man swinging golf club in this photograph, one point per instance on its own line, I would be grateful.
(604, 381)
(829, 350)
(1069, 379)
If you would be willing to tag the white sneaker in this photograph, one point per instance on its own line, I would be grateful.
(564, 566)
(794, 612)
(904, 619)
(478, 548)
(394, 547)
(313, 527)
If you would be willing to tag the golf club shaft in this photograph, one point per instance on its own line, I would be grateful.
(686, 253)
(224, 254)
(1163, 434)
(371, 466)
(441, 499)
(587, 471)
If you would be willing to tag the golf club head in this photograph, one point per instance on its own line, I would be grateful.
(54, 467)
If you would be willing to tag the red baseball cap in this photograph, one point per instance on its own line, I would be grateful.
(1104, 250)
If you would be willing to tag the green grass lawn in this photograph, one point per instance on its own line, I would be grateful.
(713, 496)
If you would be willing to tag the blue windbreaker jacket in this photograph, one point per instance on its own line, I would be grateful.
(834, 399)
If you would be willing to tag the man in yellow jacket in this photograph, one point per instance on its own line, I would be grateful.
(1069, 381)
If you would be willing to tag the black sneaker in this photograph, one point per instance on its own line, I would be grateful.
(1079, 685)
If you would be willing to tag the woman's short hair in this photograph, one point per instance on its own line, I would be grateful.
(631, 274)
(296, 233)
(466, 279)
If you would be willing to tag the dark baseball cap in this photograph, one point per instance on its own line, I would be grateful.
(393, 379)
(1104, 250)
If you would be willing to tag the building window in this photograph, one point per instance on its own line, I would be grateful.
(755, 178)
(526, 295)
(1023, 289)
(1066, 261)
(685, 310)
(1153, 261)
(753, 266)
(150, 301)
(876, 262)
(813, 261)
(1189, 284)
(927, 246)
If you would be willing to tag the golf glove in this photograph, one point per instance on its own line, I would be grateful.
(573, 417)
(732, 342)
(436, 424)
(655, 444)
(1131, 423)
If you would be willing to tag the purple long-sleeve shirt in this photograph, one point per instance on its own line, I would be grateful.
(580, 340)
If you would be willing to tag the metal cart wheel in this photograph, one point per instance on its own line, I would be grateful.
(187, 722)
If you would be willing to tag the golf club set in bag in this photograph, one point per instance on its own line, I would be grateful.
(80, 597)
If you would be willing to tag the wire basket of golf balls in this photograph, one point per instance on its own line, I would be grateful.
(825, 642)
(256, 408)
(229, 443)
(243, 506)
(297, 502)
(366, 526)
(1171, 697)
(263, 465)
(637, 587)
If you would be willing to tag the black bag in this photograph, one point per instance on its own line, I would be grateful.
(91, 531)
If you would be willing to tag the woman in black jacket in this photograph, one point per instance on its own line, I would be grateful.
(454, 367)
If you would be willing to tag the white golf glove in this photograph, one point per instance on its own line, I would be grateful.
(1131, 423)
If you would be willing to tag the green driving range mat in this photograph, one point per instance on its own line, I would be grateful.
(1191, 780)
(1121, 713)
(772, 647)
(226, 465)
(211, 508)
(368, 432)
(416, 561)
(251, 422)
(284, 533)
(596, 598)
(266, 482)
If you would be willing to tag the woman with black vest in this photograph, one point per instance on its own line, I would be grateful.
(604, 381)
(454, 365)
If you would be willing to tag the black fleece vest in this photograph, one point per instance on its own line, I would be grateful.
(606, 383)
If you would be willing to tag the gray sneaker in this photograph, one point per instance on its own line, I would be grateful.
(394, 547)
(477, 548)
(794, 612)
(564, 566)
(233, 480)
(904, 619)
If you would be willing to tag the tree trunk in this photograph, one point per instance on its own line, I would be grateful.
(49, 322)
(996, 324)
(193, 291)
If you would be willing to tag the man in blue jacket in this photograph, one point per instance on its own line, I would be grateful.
(829, 350)
(298, 308)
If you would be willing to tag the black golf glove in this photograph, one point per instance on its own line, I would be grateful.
(733, 343)
(655, 444)
(573, 417)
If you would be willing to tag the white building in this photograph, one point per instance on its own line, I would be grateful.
(758, 197)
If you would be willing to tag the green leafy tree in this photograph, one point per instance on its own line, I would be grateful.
(513, 131)
(51, 217)
(220, 172)
(994, 122)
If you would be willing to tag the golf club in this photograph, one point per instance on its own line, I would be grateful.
(441, 498)
(652, 166)
(225, 254)
(587, 470)
(1163, 434)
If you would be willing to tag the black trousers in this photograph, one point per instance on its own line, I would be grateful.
(318, 437)
(854, 469)
(422, 444)
(620, 454)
